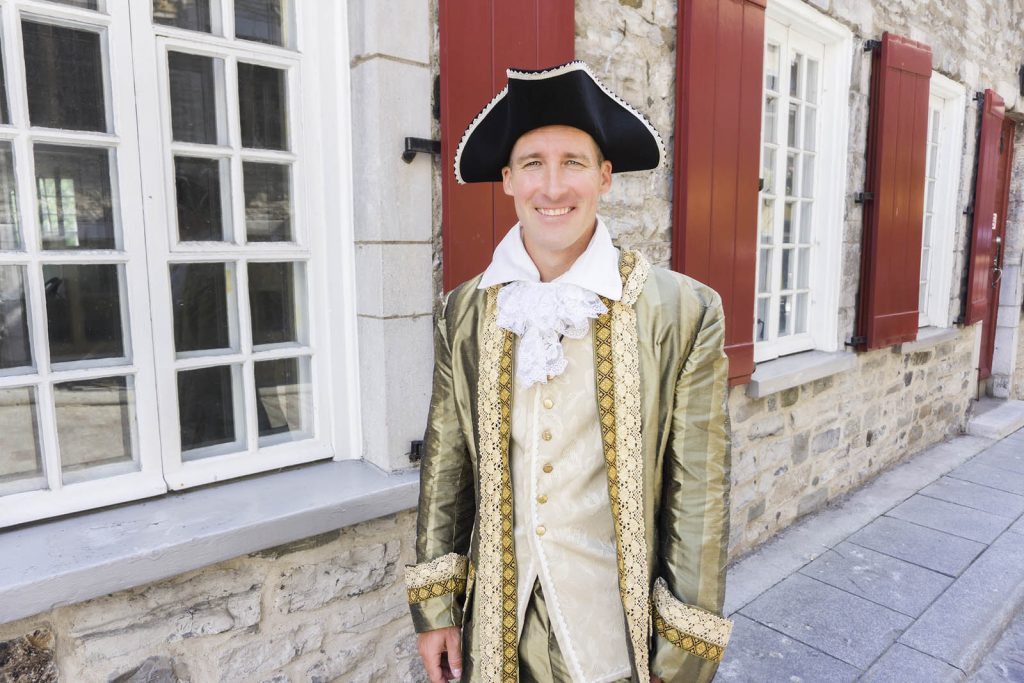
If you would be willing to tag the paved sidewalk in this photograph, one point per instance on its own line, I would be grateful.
(913, 578)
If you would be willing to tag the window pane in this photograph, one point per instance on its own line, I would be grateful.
(199, 292)
(198, 189)
(771, 67)
(805, 222)
(791, 130)
(787, 268)
(83, 311)
(787, 222)
(10, 232)
(771, 107)
(190, 14)
(790, 174)
(785, 318)
(767, 221)
(268, 210)
(804, 277)
(64, 77)
(5, 114)
(273, 302)
(811, 94)
(764, 271)
(284, 399)
(794, 75)
(94, 422)
(801, 313)
(761, 323)
(84, 4)
(807, 176)
(20, 458)
(768, 170)
(195, 102)
(260, 20)
(15, 348)
(73, 191)
(810, 124)
(262, 106)
(206, 407)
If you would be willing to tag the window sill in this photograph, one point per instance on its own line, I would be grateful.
(77, 558)
(927, 337)
(787, 372)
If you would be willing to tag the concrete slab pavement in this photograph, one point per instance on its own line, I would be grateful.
(912, 578)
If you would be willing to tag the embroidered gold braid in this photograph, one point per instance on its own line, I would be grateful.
(496, 568)
(443, 575)
(687, 641)
(617, 366)
(437, 589)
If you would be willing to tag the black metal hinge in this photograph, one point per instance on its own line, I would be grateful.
(872, 45)
(414, 146)
(861, 197)
(416, 451)
(857, 341)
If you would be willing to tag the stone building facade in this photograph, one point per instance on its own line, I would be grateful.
(330, 607)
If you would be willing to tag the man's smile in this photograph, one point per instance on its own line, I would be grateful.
(555, 212)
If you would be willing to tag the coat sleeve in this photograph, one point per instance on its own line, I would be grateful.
(689, 634)
(436, 585)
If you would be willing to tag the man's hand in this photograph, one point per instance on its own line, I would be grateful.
(655, 679)
(441, 652)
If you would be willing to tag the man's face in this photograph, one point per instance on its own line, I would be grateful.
(556, 177)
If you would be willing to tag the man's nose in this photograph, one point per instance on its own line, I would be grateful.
(554, 183)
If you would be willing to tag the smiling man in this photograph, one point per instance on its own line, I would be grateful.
(574, 493)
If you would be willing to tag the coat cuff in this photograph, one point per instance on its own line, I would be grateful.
(435, 591)
(695, 630)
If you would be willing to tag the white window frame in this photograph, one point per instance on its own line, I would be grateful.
(951, 99)
(795, 17)
(319, 112)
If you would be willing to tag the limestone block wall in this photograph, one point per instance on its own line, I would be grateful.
(326, 608)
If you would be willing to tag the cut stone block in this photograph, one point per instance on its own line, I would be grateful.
(919, 545)
(976, 496)
(902, 664)
(990, 476)
(952, 518)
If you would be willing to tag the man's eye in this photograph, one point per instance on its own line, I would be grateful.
(531, 163)
(575, 162)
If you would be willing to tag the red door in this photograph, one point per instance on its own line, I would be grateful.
(479, 40)
(1002, 192)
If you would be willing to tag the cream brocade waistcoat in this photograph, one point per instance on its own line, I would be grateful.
(564, 532)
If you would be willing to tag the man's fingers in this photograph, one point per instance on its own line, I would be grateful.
(431, 647)
(453, 642)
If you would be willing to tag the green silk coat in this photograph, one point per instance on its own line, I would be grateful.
(662, 380)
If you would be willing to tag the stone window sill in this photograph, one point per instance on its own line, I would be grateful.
(927, 337)
(68, 560)
(787, 372)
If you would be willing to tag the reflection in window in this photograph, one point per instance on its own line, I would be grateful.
(20, 457)
(193, 15)
(94, 422)
(83, 311)
(73, 191)
(268, 207)
(206, 410)
(64, 77)
(194, 99)
(260, 20)
(262, 106)
(273, 303)
(197, 184)
(84, 4)
(199, 293)
(284, 398)
(15, 347)
(10, 232)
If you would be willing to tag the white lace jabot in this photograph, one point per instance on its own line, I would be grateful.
(539, 313)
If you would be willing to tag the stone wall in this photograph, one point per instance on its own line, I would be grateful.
(327, 608)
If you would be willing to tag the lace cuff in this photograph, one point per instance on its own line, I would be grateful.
(693, 629)
(442, 576)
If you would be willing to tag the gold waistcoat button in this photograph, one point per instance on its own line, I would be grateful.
(547, 467)
(546, 435)
(549, 404)
(541, 530)
(542, 499)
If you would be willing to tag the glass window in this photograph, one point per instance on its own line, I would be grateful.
(21, 457)
(95, 424)
(64, 74)
(261, 20)
(193, 15)
(15, 346)
(195, 103)
(75, 200)
(262, 106)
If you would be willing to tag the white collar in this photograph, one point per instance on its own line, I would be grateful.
(596, 269)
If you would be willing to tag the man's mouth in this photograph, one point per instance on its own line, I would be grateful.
(555, 212)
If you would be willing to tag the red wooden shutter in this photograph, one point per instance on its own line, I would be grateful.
(979, 269)
(720, 60)
(893, 212)
(479, 40)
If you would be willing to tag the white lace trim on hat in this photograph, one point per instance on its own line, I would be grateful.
(540, 313)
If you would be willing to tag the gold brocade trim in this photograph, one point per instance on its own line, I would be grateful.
(442, 575)
(617, 370)
(687, 641)
(496, 567)
(452, 586)
(690, 621)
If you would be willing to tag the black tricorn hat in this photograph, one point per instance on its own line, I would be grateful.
(566, 95)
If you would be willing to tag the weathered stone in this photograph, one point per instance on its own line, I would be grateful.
(244, 662)
(769, 426)
(153, 670)
(632, 3)
(790, 396)
(823, 384)
(920, 357)
(812, 502)
(755, 511)
(29, 659)
(800, 449)
(300, 545)
(825, 441)
(340, 662)
(354, 572)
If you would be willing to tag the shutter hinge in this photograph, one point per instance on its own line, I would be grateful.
(857, 340)
(872, 45)
(969, 209)
(861, 197)
(416, 451)
(414, 146)
(979, 97)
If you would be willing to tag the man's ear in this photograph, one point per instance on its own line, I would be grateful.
(606, 176)
(506, 180)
